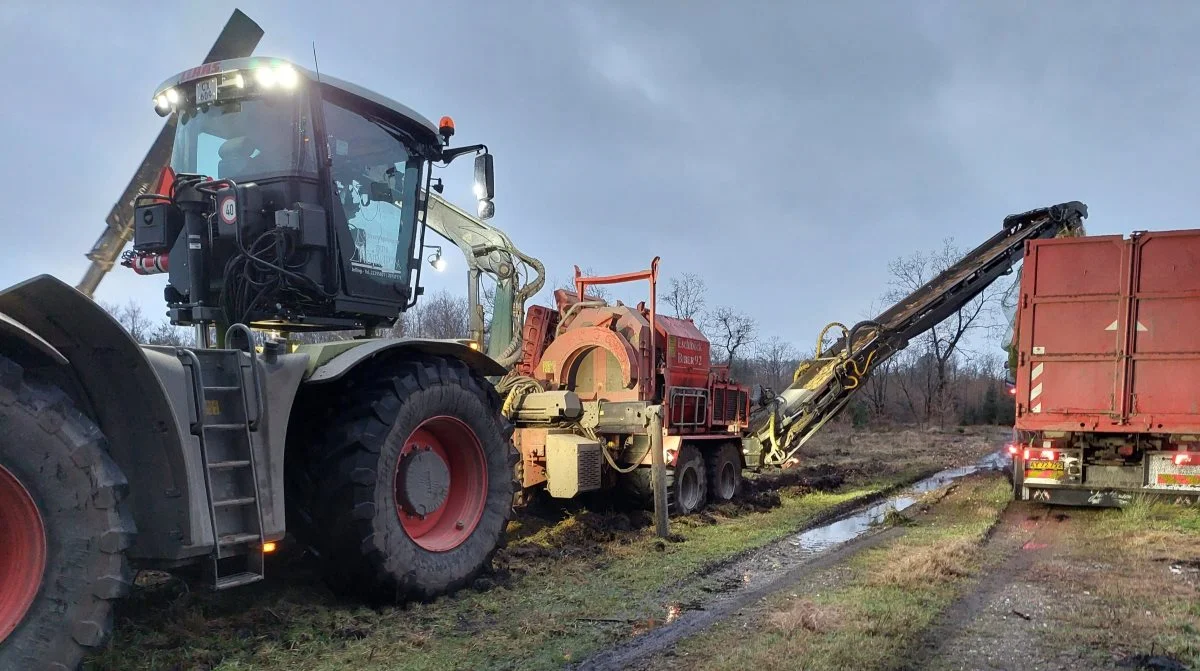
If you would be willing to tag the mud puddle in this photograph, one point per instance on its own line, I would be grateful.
(858, 523)
(749, 578)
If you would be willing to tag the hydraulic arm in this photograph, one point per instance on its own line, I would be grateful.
(488, 250)
(824, 384)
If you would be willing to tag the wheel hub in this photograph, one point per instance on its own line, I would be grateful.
(441, 483)
(689, 489)
(728, 479)
(22, 553)
(425, 480)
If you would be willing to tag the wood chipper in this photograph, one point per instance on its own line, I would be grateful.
(581, 393)
(291, 201)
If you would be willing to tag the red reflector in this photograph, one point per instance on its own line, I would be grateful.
(1048, 454)
(1181, 459)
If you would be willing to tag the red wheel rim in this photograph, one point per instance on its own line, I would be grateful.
(22, 553)
(453, 521)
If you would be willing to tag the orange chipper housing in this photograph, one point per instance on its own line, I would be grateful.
(618, 360)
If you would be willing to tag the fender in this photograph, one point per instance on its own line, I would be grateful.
(117, 385)
(329, 362)
(13, 331)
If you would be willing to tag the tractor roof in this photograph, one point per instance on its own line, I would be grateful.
(254, 62)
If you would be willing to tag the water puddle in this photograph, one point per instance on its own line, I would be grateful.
(848, 528)
(771, 567)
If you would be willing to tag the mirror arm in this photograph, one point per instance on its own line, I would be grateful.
(451, 154)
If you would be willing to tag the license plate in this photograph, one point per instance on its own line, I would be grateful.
(1045, 465)
(206, 91)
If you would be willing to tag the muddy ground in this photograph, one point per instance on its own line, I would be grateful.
(971, 581)
(575, 579)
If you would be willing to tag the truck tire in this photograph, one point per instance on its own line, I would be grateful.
(64, 528)
(687, 483)
(724, 472)
(411, 482)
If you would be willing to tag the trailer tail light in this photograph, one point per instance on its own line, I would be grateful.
(1183, 459)
(1025, 456)
(1049, 454)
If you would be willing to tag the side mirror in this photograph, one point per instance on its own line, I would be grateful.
(485, 185)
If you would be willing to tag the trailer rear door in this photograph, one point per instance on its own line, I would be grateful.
(1109, 334)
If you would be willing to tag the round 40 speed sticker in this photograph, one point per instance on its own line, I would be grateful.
(228, 210)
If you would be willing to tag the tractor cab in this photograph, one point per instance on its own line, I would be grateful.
(293, 200)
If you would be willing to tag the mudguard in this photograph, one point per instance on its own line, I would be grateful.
(119, 387)
(329, 362)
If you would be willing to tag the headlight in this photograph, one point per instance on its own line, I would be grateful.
(287, 76)
(162, 103)
(265, 77)
(172, 96)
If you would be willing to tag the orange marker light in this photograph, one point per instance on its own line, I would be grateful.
(446, 127)
(268, 547)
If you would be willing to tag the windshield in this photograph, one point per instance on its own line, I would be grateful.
(376, 181)
(249, 137)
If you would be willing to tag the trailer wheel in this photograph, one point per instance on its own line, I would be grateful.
(687, 484)
(64, 528)
(412, 483)
(724, 472)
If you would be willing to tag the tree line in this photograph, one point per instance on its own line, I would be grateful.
(937, 379)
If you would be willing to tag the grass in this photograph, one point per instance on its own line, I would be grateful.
(879, 603)
(1116, 570)
(558, 611)
(564, 588)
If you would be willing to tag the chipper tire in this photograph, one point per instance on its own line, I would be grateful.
(687, 482)
(63, 526)
(724, 465)
(426, 437)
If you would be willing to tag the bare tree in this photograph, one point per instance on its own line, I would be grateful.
(731, 330)
(942, 343)
(776, 361)
(439, 315)
(600, 291)
(685, 295)
(142, 329)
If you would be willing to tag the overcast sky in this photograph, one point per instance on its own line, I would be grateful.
(785, 151)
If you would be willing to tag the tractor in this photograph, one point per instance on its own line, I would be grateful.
(291, 201)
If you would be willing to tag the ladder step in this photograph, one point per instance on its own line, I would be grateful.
(226, 427)
(237, 580)
(216, 466)
(243, 501)
(237, 539)
(223, 388)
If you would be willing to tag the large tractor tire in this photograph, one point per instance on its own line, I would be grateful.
(687, 482)
(409, 489)
(63, 528)
(724, 472)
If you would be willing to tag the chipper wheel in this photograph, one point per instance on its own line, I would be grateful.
(686, 483)
(63, 528)
(724, 472)
(410, 487)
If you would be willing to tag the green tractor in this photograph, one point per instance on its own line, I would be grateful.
(291, 201)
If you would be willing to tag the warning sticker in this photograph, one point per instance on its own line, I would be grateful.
(228, 210)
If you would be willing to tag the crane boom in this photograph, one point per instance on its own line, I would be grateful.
(823, 385)
(489, 251)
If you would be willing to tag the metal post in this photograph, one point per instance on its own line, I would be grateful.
(658, 470)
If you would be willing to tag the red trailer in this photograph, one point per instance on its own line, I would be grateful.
(1108, 369)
